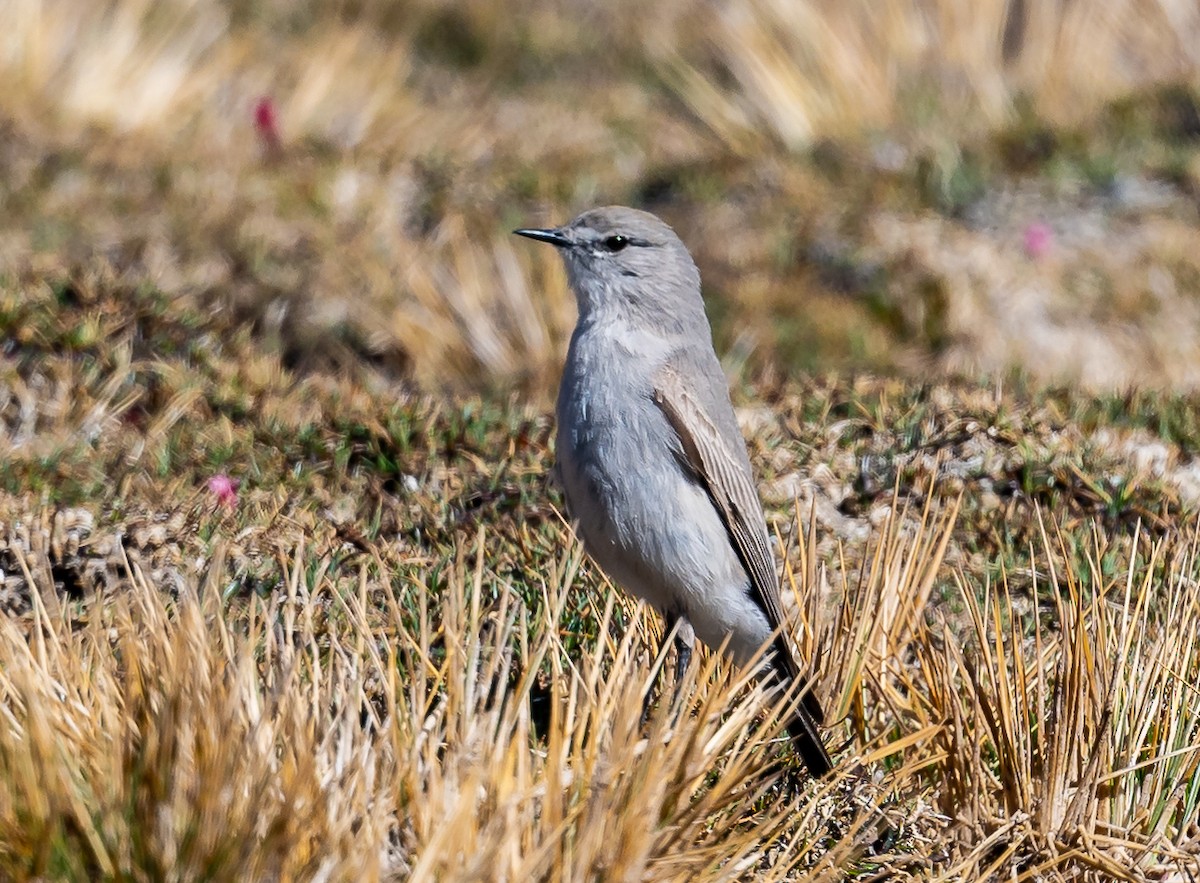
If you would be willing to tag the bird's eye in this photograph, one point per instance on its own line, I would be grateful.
(615, 243)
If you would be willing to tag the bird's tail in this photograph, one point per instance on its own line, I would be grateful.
(807, 739)
(803, 727)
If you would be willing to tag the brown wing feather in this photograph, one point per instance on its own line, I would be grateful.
(732, 491)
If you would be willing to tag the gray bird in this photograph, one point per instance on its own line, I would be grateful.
(651, 460)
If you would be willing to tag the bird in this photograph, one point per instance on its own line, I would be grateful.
(653, 466)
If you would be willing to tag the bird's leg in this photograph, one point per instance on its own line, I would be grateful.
(676, 628)
(685, 637)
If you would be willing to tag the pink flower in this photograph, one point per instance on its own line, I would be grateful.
(1039, 239)
(224, 489)
(266, 123)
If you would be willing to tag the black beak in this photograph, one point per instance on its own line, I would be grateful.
(551, 236)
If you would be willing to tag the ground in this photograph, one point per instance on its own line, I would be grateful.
(287, 589)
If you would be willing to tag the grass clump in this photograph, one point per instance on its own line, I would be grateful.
(378, 716)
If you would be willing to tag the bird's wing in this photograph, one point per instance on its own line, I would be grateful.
(731, 487)
(724, 470)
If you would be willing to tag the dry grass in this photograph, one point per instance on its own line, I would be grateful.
(381, 656)
(357, 221)
(375, 208)
(385, 658)
(917, 69)
(1082, 743)
(353, 726)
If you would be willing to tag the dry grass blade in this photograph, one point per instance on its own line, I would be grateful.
(803, 71)
(1079, 745)
(349, 727)
(330, 731)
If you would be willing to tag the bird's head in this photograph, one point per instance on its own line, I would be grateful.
(627, 263)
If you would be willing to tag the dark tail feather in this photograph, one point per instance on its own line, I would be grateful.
(805, 735)
(803, 730)
(803, 725)
(811, 704)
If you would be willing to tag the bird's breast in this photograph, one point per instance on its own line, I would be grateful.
(610, 432)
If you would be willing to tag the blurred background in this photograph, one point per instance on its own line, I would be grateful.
(908, 186)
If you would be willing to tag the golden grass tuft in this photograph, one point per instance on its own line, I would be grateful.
(804, 71)
(1078, 745)
(345, 726)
